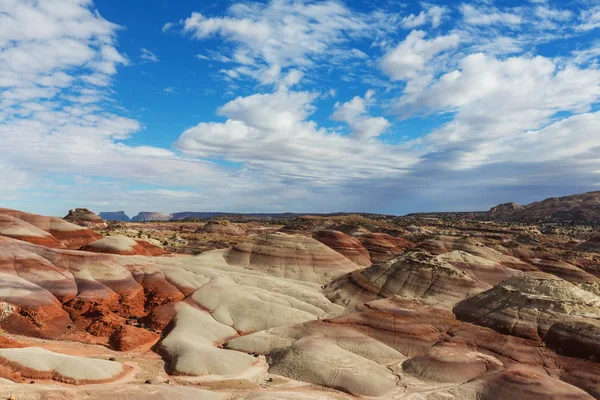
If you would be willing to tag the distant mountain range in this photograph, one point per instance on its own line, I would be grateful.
(579, 208)
(192, 215)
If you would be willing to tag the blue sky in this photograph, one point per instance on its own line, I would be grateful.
(283, 105)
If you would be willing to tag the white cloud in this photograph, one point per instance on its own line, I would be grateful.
(272, 136)
(56, 59)
(590, 19)
(287, 34)
(409, 59)
(432, 14)
(354, 113)
(514, 85)
(513, 121)
(148, 55)
(488, 16)
(502, 105)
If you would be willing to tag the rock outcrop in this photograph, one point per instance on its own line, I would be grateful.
(536, 306)
(84, 217)
(442, 280)
(445, 244)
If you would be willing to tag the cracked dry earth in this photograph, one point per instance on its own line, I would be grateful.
(290, 316)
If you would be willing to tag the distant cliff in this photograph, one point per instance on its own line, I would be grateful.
(147, 216)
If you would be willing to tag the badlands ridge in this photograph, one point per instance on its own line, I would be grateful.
(322, 308)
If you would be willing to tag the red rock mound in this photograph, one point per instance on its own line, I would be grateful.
(291, 256)
(125, 246)
(18, 229)
(70, 235)
(424, 342)
(349, 247)
(383, 247)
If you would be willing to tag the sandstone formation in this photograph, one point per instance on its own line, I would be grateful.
(346, 245)
(84, 217)
(564, 270)
(146, 216)
(442, 280)
(221, 227)
(18, 229)
(114, 216)
(537, 305)
(39, 363)
(445, 244)
(287, 316)
(383, 247)
(426, 346)
(70, 235)
(124, 245)
(290, 256)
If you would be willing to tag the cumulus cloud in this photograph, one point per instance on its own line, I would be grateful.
(271, 133)
(56, 59)
(409, 59)
(354, 113)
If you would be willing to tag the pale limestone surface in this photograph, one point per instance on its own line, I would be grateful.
(116, 242)
(71, 367)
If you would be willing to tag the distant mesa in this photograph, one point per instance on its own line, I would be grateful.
(84, 217)
(147, 216)
(114, 216)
